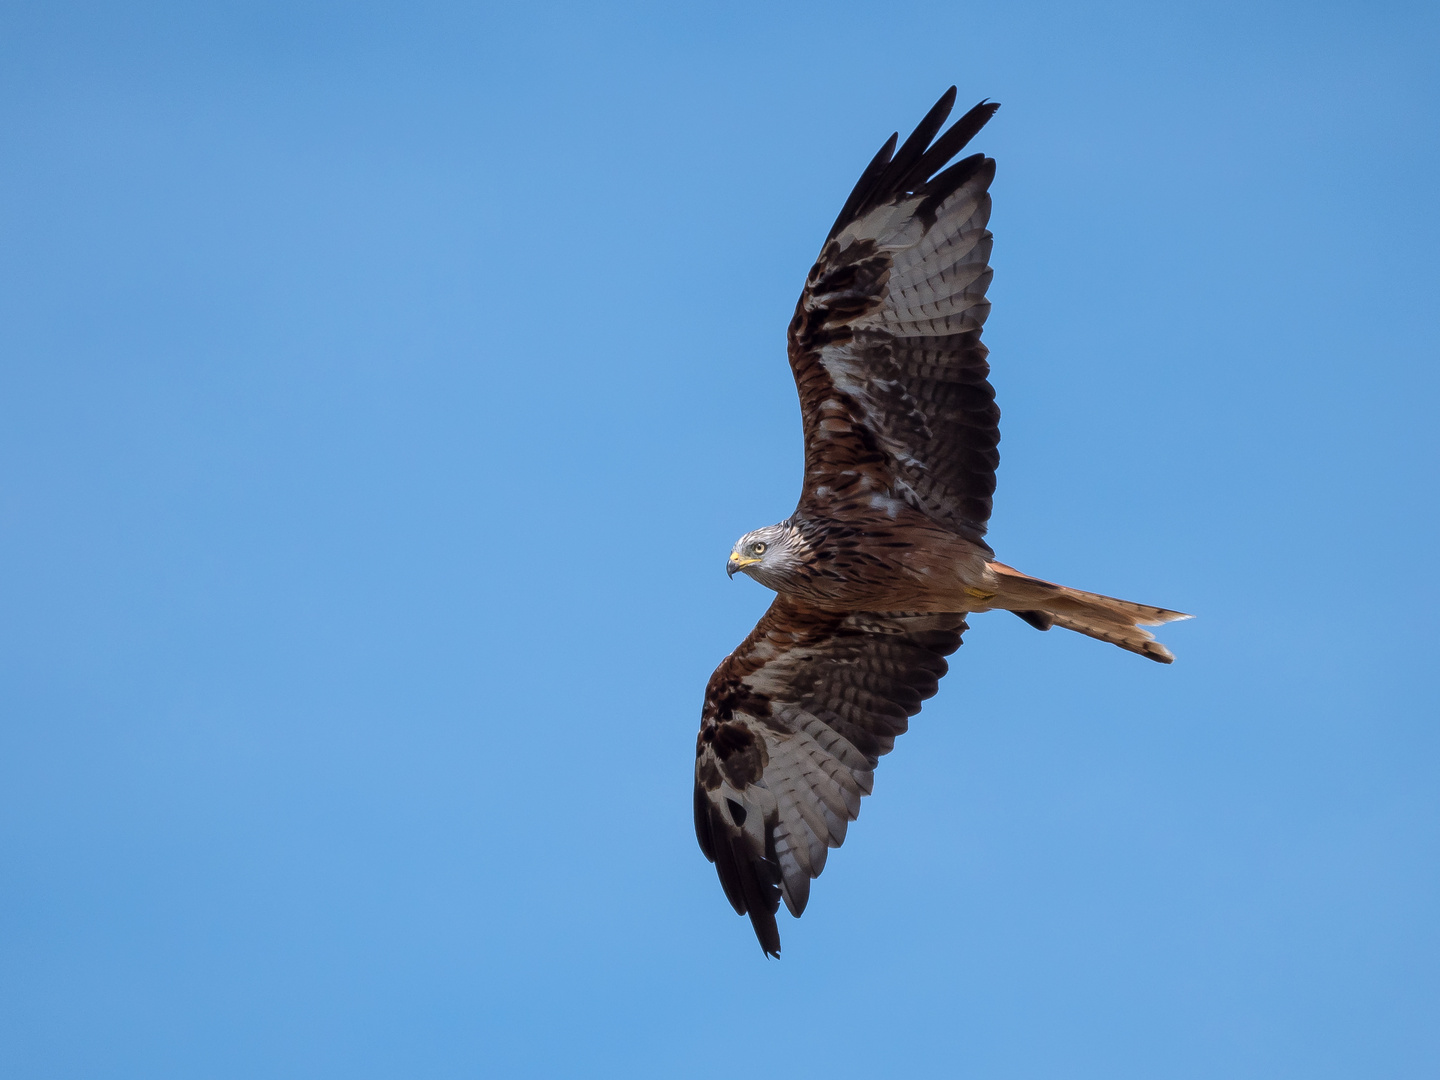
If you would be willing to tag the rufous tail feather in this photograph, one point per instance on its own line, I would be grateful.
(1044, 604)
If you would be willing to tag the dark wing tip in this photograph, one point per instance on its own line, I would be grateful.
(767, 932)
(954, 140)
(750, 883)
(892, 172)
(865, 186)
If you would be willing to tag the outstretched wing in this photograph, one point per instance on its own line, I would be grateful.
(794, 722)
(885, 342)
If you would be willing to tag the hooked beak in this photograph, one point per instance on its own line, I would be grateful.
(736, 562)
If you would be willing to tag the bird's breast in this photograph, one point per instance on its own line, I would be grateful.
(888, 564)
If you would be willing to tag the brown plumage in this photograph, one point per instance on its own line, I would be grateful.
(885, 554)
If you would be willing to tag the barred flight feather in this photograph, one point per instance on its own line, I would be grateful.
(821, 696)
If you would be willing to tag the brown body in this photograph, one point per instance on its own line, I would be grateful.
(884, 562)
(885, 554)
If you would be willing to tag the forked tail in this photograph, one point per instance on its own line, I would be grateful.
(1044, 604)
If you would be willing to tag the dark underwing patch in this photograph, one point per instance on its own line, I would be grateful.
(727, 696)
(742, 756)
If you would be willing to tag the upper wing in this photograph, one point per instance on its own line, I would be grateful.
(794, 722)
(885, 342)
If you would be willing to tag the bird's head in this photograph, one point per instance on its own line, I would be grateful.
(767, 554)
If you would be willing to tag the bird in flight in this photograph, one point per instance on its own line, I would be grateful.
(885, 554)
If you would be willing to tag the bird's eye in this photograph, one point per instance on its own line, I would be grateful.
(757, 549)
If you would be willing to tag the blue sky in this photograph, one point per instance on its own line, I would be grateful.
(382, 387)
